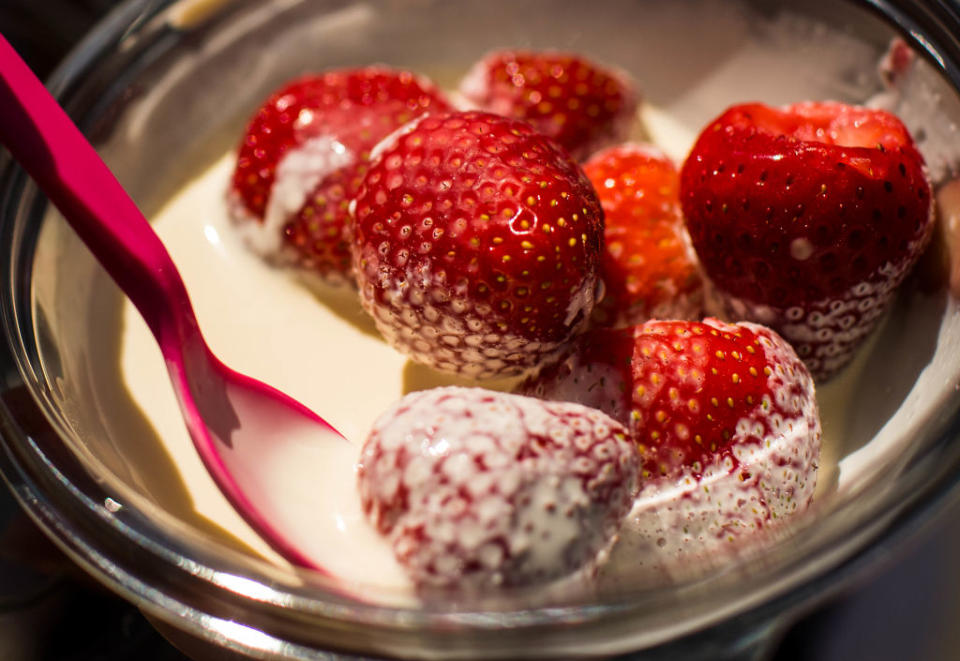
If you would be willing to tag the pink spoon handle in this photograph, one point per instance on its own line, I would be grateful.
(58, 157)
(235, 422)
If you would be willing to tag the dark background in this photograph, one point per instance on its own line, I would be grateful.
(909, 608)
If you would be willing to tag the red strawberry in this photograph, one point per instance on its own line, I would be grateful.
(477, 244)
(724, 417)
(648, 267)
(578, 103)
(304, 153)
(480, 489)
(806, 219)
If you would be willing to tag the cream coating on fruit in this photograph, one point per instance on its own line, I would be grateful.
(702, 514)
(698, 514)
(785, 417)
(299, 170)
(824, 333)
(482, 489)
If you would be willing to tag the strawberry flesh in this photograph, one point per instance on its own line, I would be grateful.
(806, 219)
(648, 267)
(479, 489)
(477, 244)
(582, 105)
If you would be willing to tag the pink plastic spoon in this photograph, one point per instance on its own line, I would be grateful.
(235, 421)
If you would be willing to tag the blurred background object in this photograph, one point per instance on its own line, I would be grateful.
(44, 30)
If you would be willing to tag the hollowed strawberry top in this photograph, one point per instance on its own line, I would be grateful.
(477, 244)
(800, 204)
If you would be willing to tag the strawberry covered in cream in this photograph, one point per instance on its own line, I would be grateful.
(477, 489)
(304, 153)
(724, 417)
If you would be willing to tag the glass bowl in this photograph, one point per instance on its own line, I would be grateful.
(164, 88)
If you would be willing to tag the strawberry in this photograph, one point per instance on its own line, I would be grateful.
(477, 244)
(648, 267)
(806, 219)
(480, 489)
(582, 105)
(724, 417)
(304, 152)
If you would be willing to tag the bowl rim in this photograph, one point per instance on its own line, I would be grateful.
(66, 506)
